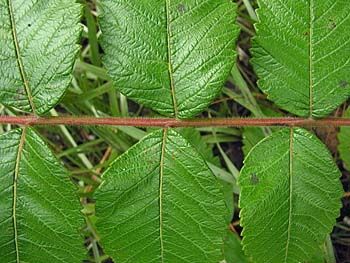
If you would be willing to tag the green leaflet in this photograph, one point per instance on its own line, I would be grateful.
(290, 197)
(38, 46)
(170, 55)
(301, 54)
(45, 223)
(194, 138)
(159, 202)
(344, 143)
(233, 249)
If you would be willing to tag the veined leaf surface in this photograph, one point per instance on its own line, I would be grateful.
(40, 212)
(290, 197)
(159, 202)
(38, 46)
(344, 143)
(233, 249)
(170, 55)
(302, 54)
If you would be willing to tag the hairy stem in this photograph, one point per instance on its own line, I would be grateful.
(171, 122)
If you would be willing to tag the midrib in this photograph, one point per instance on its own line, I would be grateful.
(170, 66)
(310, 58)
(161, 195)
(19, 57)
(290, 192)
(14, 208)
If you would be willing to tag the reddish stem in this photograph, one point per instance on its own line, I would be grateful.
(170, 122)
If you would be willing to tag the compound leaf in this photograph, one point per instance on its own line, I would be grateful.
(301, 54)
(38, 41)
(40, 211)
(290, 197)
(159, 202)
(172, 56)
